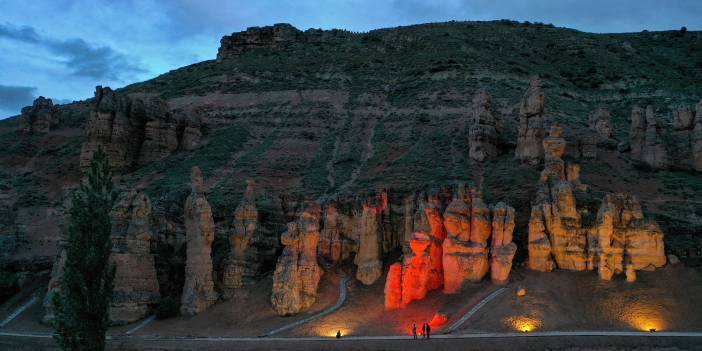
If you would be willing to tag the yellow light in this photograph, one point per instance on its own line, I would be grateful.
(523, 324)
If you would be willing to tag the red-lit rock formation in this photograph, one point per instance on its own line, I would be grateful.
(243, 227)
(601, 122)
(297, 273)
(503, 249)
(198, 291)
(136, 287)
(626, 242)
(483, 131)
(368, 260)
(393, 287)
(417, 270)
(39, 118)
(555, 231)
(530, 133)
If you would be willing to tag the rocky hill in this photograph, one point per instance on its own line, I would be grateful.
(357, 119)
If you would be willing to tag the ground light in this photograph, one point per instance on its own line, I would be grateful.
(524, 324)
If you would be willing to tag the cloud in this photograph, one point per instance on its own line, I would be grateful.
(79, 57)
(13, 98)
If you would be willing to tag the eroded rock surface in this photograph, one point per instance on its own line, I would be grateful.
(297, 273)
(368, 259)
(601, 122)
(530, 132)
(483, 132)
(236, 267)
(136, 287)
(502, 248)
(39, 118)
(696, 139)
(647, 142)
(330, 237)
(198, 291)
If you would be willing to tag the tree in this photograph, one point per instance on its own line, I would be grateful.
(82, 304)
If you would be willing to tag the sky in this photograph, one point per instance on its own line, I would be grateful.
(62, 49)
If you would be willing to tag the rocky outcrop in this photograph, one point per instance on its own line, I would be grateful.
(276, 37)
(483, 133)
(502, 249)
(530, 133)
(393, 287)
(297, 273)
(136, 287)
(368, 258)
(135, 131)
(198, 291)
(625, 241)
(39, 118)
(330, 237)
(646, 138)
(600, 121)
(555, 230)
(236, 269)
(696, 139)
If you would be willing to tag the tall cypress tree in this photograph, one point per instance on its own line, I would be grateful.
(82, 304)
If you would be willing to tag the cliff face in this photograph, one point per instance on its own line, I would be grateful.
(39, 118)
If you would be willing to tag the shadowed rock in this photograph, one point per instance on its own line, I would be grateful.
(530, 133)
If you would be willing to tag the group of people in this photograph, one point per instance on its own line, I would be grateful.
(426, 330)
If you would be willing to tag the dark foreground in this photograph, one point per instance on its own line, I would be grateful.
(531, 343)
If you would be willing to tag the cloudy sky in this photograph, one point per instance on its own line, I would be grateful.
(62, 49)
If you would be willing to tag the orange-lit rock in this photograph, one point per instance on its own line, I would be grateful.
(503, 249)
(297, 273)
(483, 132)
(417, 279)
(393, 287)
(198, 290)
(368, 259)
(625, 240)
(438, 320)
(330, 236)
(530, 132)
(242, 231)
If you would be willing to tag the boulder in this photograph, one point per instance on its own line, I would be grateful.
(530, 133)
(136, 287)
(297, 273)
(39, 118)
(236, 269)
(198, 290)
(483, 134)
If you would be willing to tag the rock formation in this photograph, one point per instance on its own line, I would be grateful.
(465, 250)
(530, 133)
(625, 241)
(135, 131)
(240, 237)
(555, 231)
(136, 288)
(646, 138)
(368, 260)
(483, 128)
(54, 287)
(198, 291)
(39, 118)
(601, 122)
(297, 273)
(696, 139)
(393, 287)
(330, 237)
(503, 249)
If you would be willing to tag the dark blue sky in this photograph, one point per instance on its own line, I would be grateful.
(62, 49)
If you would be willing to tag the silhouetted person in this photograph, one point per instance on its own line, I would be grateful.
(428, 331)
(414, 330)
(424, 330)
(338, 334)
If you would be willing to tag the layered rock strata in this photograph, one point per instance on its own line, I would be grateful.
(39, 118)
(236, 268)
(530, 133)
(483, 132)
(297, 273)
(198, 291)
(136, 287)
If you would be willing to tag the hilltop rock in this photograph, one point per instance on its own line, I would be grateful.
(236, 267)
(198, 291)
(136, 287)
(626, 242)
(555, 229)
(39, 118)
(530, 133)
(601, 122)
(297, 273)
(503, 249)
(483, 133)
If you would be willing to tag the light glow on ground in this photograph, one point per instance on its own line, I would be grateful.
(523, 324)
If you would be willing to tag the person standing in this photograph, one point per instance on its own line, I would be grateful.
(424, 330)
(428, 331)
(414, 330)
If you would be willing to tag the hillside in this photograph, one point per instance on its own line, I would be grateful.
(321, 115)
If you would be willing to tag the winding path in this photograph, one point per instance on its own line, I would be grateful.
(337, 305)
